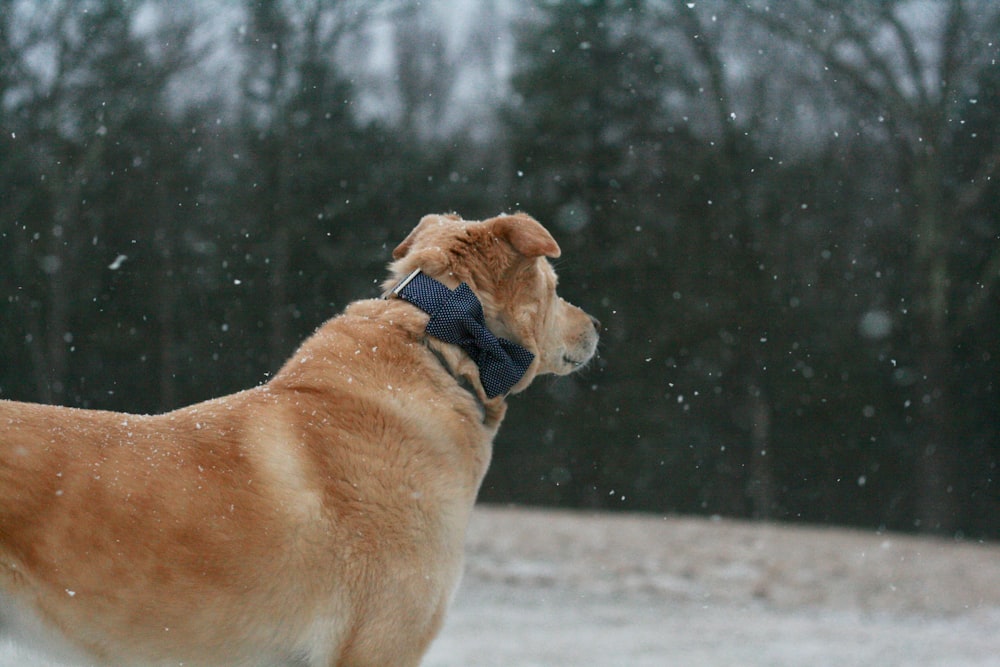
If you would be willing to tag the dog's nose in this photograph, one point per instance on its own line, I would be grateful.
(596, 322)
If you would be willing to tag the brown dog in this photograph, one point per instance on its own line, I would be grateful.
(317, 519)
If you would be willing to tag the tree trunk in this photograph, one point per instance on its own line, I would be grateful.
(935, 462)
(760, 483)
(280, 256)
(936, 509)
(167, 305)
(57, 265)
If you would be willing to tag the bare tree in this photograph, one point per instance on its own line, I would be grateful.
(904, 70)
(68, 107)
(291, 83)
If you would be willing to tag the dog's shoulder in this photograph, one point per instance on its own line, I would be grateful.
(361, 341)
(377, 352)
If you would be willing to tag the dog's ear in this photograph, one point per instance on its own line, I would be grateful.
(526, 235)
(427, 221)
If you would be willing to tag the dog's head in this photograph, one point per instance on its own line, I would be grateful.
(505, 262)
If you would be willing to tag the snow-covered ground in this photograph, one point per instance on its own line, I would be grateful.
(555, 589)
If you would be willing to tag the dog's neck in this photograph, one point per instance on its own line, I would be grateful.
(460, 366)
(457, 320)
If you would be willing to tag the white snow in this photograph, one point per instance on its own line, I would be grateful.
(559, 589)
(554, 589)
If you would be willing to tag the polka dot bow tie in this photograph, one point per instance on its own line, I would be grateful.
(457, 317)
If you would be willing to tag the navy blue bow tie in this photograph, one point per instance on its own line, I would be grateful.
(457, 317)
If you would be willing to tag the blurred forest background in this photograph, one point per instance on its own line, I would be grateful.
(787, 217)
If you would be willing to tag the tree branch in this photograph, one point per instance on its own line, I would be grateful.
(910, 54)
(878, 91)
(709, 59)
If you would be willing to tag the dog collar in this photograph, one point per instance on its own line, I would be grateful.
(457, 318)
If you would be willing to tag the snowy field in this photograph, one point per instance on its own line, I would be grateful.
(555, 589)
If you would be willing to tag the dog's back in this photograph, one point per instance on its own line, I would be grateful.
(134, 535)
